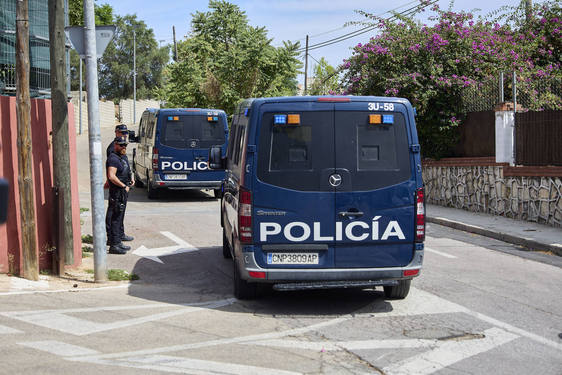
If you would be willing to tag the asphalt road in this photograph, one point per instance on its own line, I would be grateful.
(477, 308)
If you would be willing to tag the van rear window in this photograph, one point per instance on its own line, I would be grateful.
(302, 157)
(189, 131)
(296, 156)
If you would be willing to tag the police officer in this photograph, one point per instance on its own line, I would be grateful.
(120, 179)
(120, 131)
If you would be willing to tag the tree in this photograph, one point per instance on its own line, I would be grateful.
(326, 79)
(433, 65)
(225, 60)
(104, 16)
(116, 65)
(103, 13)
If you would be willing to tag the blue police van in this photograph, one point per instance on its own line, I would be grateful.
(323, 192)
(173, 148)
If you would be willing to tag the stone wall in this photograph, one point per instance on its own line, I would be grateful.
(484, 188)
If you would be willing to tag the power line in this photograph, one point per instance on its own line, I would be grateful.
(346, 26)
(366, 29)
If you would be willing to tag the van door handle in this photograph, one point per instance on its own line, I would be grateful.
(351, 213)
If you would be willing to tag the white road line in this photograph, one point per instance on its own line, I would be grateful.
(518, 331)
(7, 330)
(440, 253)
(178, 363)
(348, 345)
(234, 340)
(59, 348)
(449, 353)
(58, 320)
(178, 240)
(65, 290)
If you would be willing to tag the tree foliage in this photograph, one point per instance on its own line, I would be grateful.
(116, 65)
(433, 65)
(103, 16)
(224, 60)
(326, 79)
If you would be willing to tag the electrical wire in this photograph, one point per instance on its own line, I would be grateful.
(366, 29)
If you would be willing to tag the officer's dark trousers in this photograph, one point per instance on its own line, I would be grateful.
(115, 215)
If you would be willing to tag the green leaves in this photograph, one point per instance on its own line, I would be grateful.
(116, 65)
(224, 60)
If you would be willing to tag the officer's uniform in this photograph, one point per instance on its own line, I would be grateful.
(117, 196)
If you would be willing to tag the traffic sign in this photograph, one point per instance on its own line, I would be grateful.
(104, 34)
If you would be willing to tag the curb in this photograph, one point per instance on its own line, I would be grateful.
(528, 243)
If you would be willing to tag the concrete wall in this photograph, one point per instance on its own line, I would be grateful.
(107, 113)
(10, 232)
(126, 110)
(484, 188)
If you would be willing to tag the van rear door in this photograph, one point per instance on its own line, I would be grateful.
(374, 203)
(185, 141)
(293, 202)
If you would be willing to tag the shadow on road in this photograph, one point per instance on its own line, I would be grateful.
(205, 275)
(139, 195)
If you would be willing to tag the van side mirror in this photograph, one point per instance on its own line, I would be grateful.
(3, 200)
(216, 161)
(133, 138)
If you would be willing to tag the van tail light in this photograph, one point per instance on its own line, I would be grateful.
(245, 216)
(154, 159)
(420, 215)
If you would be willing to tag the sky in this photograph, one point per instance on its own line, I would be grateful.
(288, 19)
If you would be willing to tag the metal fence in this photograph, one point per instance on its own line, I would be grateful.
(530, 94)
(38, 47)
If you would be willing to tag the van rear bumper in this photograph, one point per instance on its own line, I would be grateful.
(273, 275)
(159, 183)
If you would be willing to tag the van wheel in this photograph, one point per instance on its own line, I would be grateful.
(242, 288)
(225, 247)
(217, 193)
(399, 291)
(150, 191)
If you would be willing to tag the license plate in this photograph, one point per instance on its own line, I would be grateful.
(175, 176)
(292, 258)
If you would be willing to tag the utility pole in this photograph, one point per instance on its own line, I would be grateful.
(134, 76)
(61, 153)
(175, 44)
(80, 98)
(25, 154)
(96, 179)
(306, 68)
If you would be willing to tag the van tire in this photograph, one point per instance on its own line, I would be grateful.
(225, 247)
(242, 288)
(399, 291)
(150, 191)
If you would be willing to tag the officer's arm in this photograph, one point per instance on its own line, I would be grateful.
(112, 176)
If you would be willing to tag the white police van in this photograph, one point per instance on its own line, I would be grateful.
(323, 192)
(173, 147)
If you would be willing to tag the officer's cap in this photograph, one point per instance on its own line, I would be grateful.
(121, 128)
(121, 141)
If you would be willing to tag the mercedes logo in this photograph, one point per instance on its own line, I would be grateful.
(193, 144)
(335, 180)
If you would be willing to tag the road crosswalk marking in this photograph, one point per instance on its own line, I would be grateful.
(449, 353)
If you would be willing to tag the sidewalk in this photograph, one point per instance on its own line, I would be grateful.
(531, 235)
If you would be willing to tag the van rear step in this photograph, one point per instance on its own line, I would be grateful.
(333, 285)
